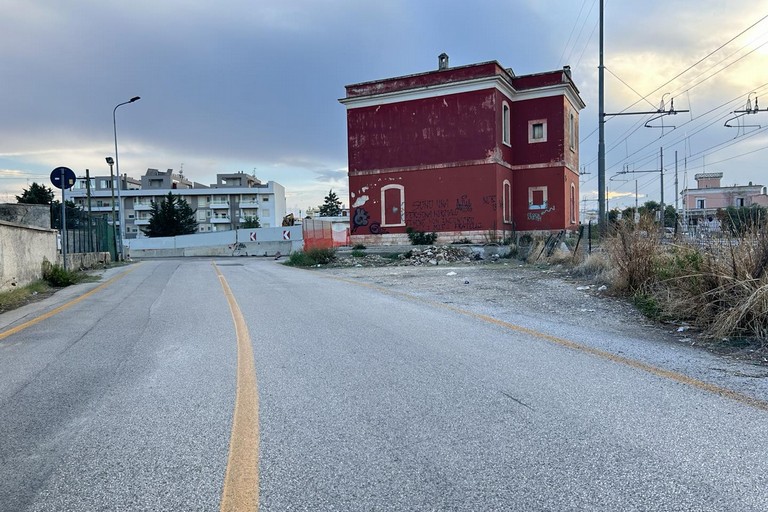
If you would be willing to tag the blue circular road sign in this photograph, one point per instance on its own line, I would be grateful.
(63, 177)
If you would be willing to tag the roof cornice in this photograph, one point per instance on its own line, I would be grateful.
(464, 86)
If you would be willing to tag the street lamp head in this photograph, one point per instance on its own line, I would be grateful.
(110, 160)
(135, 98)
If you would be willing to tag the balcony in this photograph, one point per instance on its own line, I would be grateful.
(250, 203)
(141, 222)
(218, 204)
(142, 206)
(102, 208)
(220, 220)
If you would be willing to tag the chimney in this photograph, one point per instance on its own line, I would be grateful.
(442, 61)
(567, 71)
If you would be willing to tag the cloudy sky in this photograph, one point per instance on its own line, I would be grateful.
(252, 85)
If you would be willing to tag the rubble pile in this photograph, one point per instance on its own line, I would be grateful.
(436, 255)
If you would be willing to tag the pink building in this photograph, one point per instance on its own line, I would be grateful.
(466, 152)
(702, 202)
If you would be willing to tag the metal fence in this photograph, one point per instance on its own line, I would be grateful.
(85, 233)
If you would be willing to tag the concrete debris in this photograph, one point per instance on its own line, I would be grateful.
(436, 255)
(582, 288)
(451, 274)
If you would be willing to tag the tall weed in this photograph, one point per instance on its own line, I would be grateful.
(721, 288)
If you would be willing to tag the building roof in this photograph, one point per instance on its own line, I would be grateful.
(480, 73)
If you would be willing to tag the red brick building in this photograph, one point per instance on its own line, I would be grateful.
(464, 151)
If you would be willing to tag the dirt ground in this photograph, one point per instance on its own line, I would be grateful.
(502, 286)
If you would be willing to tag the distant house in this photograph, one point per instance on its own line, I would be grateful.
(700, 204)
(470, 152)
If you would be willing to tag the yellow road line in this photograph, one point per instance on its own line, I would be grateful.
(64, 306)
(603, 354)
(241, 480)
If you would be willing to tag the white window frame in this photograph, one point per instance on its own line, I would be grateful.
(506, 201)
(532, 206)
(573, 204)
(535, 122)
(384, 189)
(506, 123)
(703, 202)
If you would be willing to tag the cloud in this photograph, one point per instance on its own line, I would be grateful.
(333, 176)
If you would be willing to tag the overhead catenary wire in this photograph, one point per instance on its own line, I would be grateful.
(641, 123)
(562, 61)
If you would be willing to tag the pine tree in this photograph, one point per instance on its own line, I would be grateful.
(251, 222)
(36, 194)
(171, 217)
(331, 207)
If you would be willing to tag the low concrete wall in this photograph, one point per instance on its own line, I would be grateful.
(22, 251)
(255, 242)
(84, 260)
(37, 215)
(250, 249)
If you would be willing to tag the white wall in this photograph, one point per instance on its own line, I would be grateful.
(22, 251)
(268, 241)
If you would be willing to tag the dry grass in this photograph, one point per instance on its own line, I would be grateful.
(721, 288)
(634, 251)
(18, 297)
(596, 267)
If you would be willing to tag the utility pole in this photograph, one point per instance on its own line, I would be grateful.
(677, 190)
(90, 216)
(601, 219)
(661, 112)
(661, 173)
(637, 206)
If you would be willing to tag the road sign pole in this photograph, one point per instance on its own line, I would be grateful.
(63, 178)
(63, 223)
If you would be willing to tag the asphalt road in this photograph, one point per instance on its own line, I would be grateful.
(372, 395)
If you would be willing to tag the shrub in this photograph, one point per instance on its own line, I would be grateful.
(311, 257)
(525, 240)
(358, 253)
(420, 238)
(58, 276)
(360, 247)
(647, 305)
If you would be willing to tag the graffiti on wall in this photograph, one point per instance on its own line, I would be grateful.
(491, 201)
(463, 204)
(442, 215)
(538, 216)
(361, 219)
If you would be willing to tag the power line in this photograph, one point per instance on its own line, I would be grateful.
(575, 23)
(701, 60)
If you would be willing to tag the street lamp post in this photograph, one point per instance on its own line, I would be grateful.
(111, 162)
(117, 168)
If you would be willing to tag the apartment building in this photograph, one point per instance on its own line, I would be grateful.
(222, 206)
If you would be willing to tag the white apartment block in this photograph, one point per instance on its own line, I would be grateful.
(222, 206)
